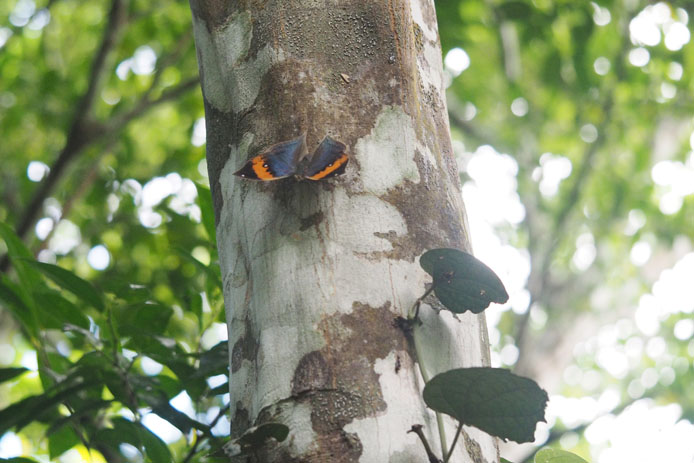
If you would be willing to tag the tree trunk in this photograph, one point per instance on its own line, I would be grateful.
(315, 273)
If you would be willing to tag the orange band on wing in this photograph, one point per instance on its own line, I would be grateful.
(337, 163)
(259, 167)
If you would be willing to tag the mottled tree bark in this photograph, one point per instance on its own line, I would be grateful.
(315, 273)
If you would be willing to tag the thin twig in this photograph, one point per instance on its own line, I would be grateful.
(200, 437)
(119, 121)
(417, 429)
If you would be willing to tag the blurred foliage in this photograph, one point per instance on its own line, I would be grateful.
(81, 93)
(115, 345)
(563, 80)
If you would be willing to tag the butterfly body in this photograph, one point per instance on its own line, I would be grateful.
(285, 159)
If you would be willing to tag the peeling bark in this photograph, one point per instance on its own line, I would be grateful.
(315, 273)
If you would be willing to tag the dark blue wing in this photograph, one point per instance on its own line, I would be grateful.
(276, 162)
(328, 160)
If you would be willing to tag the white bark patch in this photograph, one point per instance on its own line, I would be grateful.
(429, 61)
(385, 435)
(455, 339)
(365, 212)
(430, 33)
(230, 82)
(387, 154)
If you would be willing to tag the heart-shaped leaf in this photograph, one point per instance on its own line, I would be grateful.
(462, 282)
(492, 399)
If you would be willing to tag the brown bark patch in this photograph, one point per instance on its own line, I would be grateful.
(432, 221)
(473, 448)
(222, 133)
(321, 42)
(353, 343)
(312, 374)
(339, 381)
(246, 348)
(242, 420)
(311, 221)
(214, 12)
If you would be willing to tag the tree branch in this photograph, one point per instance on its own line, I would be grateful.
(82, 131)
(118, 122)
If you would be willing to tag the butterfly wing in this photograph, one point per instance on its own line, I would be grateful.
(276, 162)
(328, 160)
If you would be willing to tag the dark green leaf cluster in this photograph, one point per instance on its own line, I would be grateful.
(94, 390)
(492, 399)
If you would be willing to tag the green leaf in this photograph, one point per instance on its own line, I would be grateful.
(160, 405)
(514, 10)
(178, 419)
(214, 361)
(84, 410)
(10, 295)
(165, 351)
(127, 291)
(219, 390)
(125, 431)
(212, 271)
(54, 307)
(71, 282)
(17, 460)
(462, 282)
(7, 374)
(196, 308)
(138, 436)
(19, 254)
(255, 437)
(15, 247)
(144, 319)
(492, 399)
(157, 450)
(36, 407)
(207, 211)
(61, 441)
(557, 456)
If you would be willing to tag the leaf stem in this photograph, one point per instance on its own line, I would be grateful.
(425, 377)
(455, 440)
(414, 311)
(417, 429)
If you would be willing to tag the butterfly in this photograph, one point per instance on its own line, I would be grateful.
(285, 160)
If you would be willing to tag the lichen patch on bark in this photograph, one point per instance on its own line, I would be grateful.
(387, 153)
